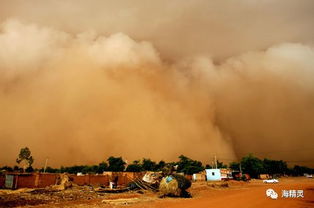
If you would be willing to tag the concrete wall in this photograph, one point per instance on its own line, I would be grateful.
(2, 181)
(124, 177)
(95, 180)
(35, 180)
(44, 180)
(25, 181)
(41, 180)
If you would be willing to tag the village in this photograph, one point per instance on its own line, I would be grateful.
(161, 182)
(156, 104)
(47, 190)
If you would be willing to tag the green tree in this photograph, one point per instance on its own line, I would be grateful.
(92, 169)
(50, 170)
(17, 169)
(300, 170)
(208, 166)
(148, 165)
(29, 169)
(189, 166)
(103, 166)
(275, 166)
(134, 167)
(161, 165)
(234, 166)
(26, 158)
(74, 169)
(6, 169)
(221, 164)
(116, 164)
(252, 165)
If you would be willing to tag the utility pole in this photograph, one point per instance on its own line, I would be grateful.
(215, 159)
(46, 165)
(126, 164)
(240, 168)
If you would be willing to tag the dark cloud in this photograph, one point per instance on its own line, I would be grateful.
(80, 81)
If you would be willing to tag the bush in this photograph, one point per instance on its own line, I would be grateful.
(252, 165)
(189, 166)
(134, 167)
(116, 164)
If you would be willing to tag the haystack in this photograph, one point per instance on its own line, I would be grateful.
(174, 185)
(63, 182)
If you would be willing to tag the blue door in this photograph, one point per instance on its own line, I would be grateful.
(9, 181)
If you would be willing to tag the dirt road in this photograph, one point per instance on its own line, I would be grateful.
(245, 196)
(238, 194)
(250, 195)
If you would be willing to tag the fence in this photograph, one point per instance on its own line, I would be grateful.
(41, 180)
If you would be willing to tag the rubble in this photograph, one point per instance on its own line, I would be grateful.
(152, 177)
(218, 184)
(63, 182)
(140, 184)
(14, 198)
(110, 190)
(121, 201)
(139, 189)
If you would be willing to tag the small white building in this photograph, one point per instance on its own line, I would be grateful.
(213, 174)
(218, 174)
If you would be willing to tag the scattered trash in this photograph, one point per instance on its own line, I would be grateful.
(120, 201)
(140, 184)
(139, 189)
(110, 190)
(218, 184)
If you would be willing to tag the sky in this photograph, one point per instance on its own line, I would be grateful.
(83, 80)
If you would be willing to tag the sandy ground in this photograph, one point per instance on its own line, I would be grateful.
(238, 194)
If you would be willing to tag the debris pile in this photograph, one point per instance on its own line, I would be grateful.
(121, 201)
(65, 190)
(150, 181)
(63, 182)
(166, 183)
(174, 185)
(22, 197)
(140, 184)
(218, 184)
